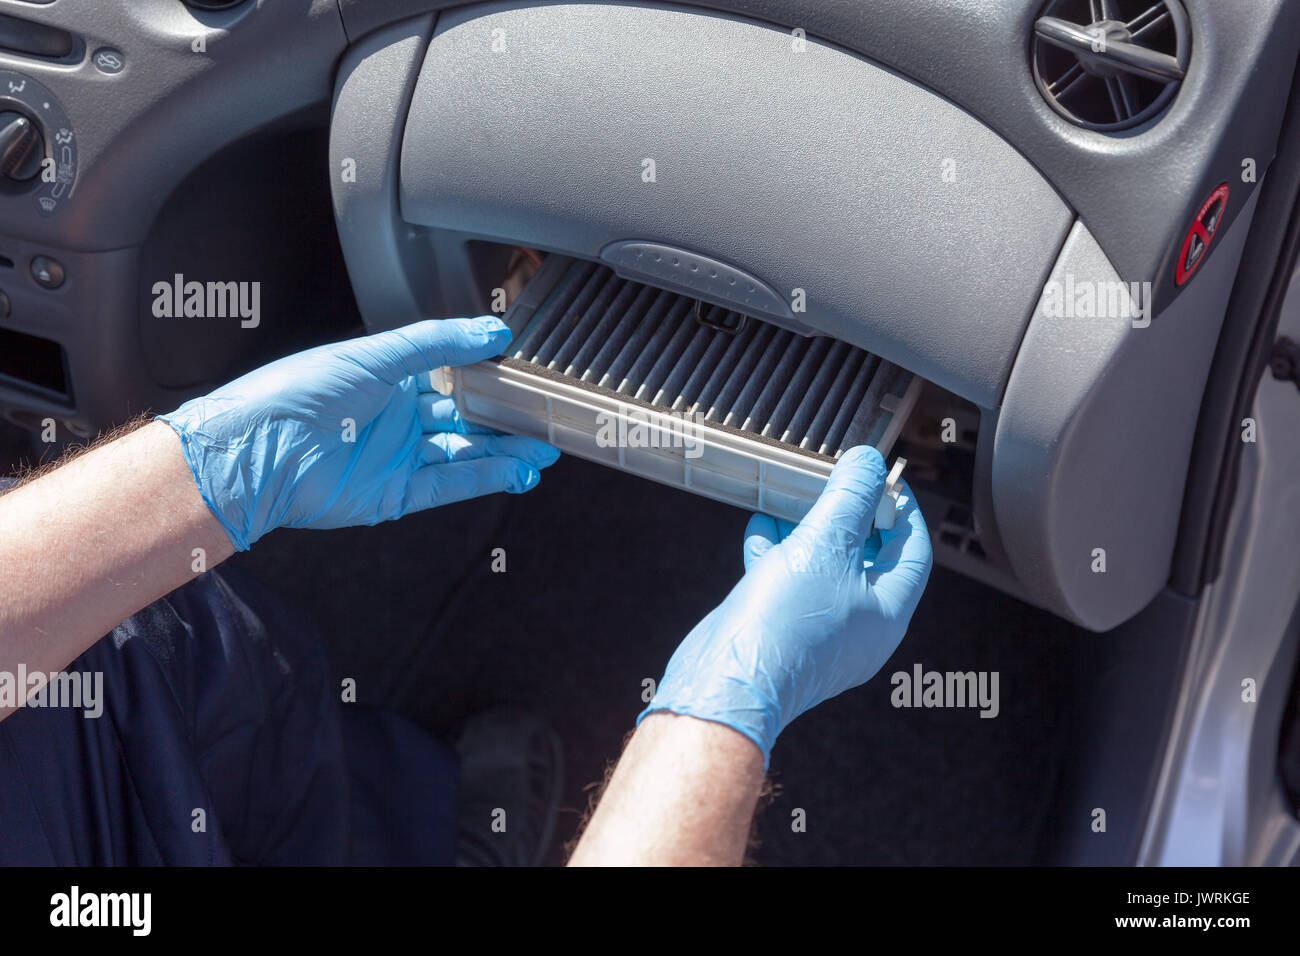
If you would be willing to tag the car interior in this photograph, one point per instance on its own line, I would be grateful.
(1041, 250)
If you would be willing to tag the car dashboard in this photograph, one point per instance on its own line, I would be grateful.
(956, 231)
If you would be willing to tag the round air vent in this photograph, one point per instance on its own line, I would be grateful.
(1110, 64)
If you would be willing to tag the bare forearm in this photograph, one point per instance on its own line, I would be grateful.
(683, 794)
(91, 543)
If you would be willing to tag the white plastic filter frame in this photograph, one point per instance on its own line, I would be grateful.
(679, 452)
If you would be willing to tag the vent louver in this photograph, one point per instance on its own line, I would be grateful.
(1110, 64)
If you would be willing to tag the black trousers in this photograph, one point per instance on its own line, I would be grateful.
(221, 740)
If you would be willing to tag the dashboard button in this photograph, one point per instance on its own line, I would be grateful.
(47, 272)
(109, 61)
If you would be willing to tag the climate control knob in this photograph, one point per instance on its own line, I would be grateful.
(21, 146)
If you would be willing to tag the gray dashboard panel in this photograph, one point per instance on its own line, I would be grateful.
(812, 170)
(186, 84)
(192, 83)
(541, 142)
(1137, 192)
(386, 264)
(1094, 436)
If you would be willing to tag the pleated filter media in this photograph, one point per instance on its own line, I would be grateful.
(682, 391)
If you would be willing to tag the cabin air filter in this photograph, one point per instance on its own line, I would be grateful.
(681, 391)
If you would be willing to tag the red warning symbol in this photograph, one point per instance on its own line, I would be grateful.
(1197, 242)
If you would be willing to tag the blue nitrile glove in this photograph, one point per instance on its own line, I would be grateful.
(351, 434)
(819, 610)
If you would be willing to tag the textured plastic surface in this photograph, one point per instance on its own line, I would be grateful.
(1094, 436)
(706, 278)
(193, 83)
(817, 173)
(375, 82)
(1137, 191)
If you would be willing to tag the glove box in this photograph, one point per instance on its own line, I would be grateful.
(690, 394)
(758, 252)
